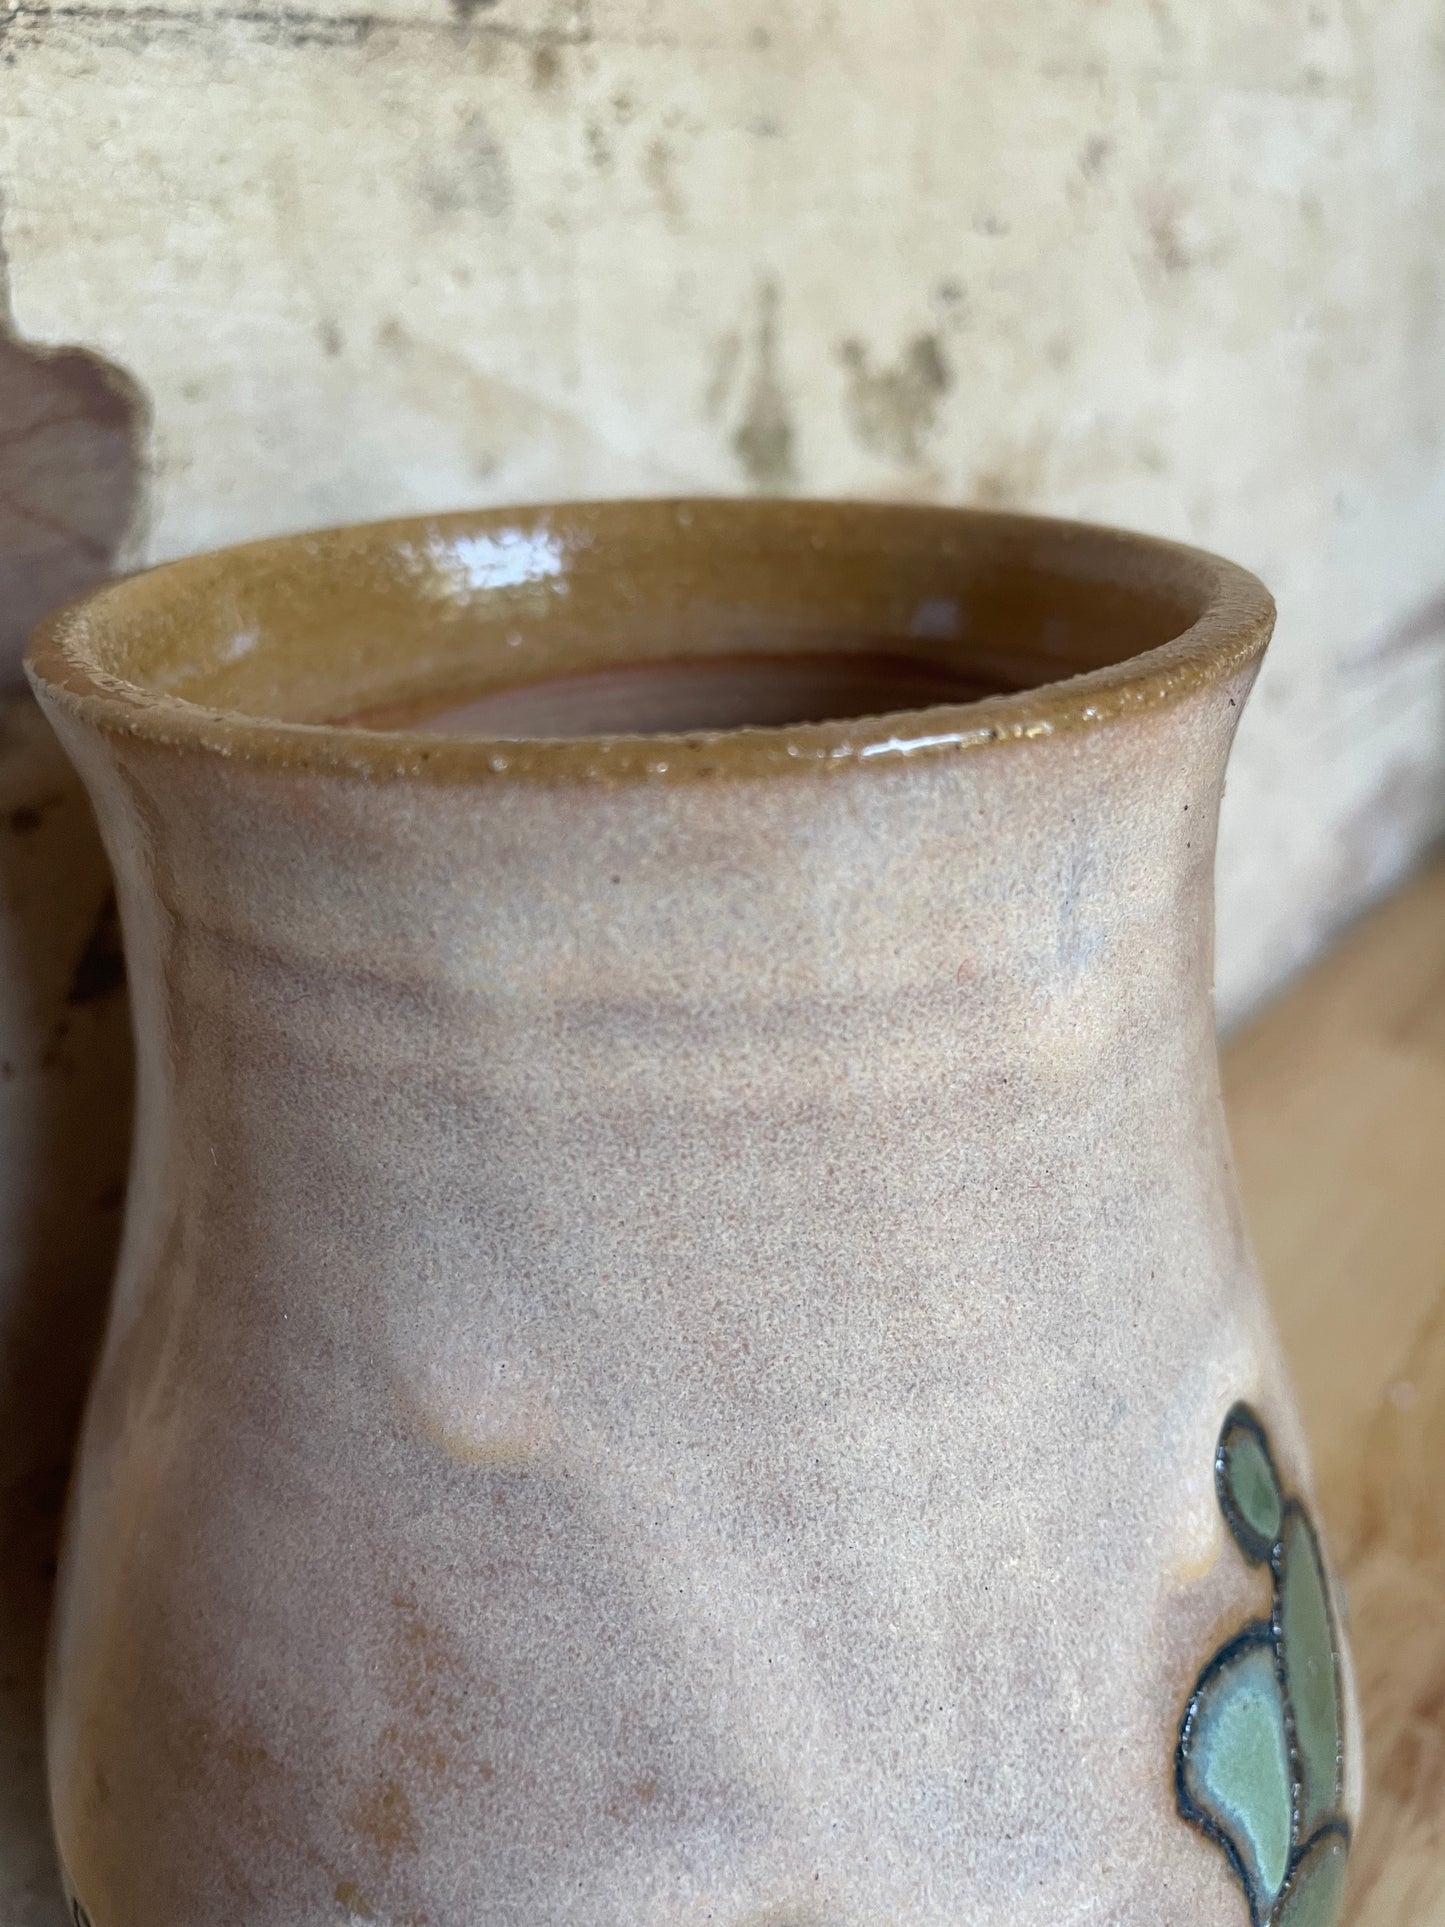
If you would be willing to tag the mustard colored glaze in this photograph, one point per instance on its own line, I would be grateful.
(258, 652)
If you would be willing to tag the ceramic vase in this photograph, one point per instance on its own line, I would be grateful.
(684, 1350)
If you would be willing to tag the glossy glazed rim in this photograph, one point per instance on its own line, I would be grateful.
(1230, 632)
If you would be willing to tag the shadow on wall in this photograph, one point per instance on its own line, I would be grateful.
(71, 427)
(71, 483)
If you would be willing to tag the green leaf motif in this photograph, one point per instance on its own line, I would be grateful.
(1236, 1759)
(1316, 1888)
(1310, 1668)
(1260, 1762)
(1248, 1486)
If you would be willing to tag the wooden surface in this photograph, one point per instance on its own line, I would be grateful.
(1336, 1098)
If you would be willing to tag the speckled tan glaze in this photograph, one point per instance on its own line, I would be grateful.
(679, 1291)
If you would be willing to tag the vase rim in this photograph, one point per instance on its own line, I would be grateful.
(150, 657)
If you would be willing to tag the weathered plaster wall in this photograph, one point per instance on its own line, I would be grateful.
(1175, 263)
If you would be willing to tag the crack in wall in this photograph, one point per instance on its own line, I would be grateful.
(290, 25)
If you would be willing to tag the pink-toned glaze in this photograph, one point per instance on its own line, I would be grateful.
(671, 1334)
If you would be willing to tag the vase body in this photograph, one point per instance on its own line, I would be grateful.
(670, 1341)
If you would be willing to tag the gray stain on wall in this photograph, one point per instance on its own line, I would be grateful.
(468, 173)
(892, 409)
(763, 440)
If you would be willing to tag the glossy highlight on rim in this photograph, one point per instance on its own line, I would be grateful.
(469, 567)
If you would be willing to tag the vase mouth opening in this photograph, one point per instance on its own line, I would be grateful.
(655, 639)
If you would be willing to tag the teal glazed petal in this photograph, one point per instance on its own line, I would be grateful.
(1249, 1489)
(1234, 1762)
(1311, 1668)
(1316, 1889)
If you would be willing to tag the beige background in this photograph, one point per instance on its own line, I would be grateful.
(1175, 263)
(1171, 264)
